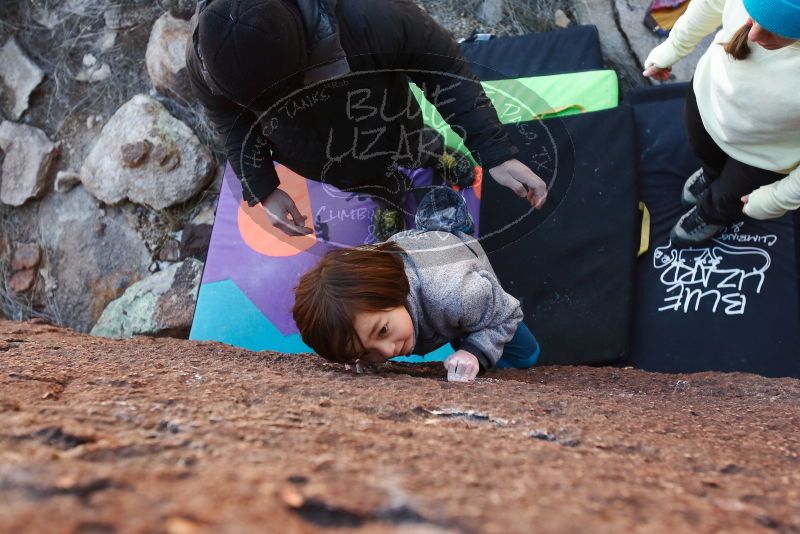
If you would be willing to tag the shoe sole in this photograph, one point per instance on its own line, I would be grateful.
(689, 202)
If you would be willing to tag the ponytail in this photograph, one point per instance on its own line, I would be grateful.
(737, 47)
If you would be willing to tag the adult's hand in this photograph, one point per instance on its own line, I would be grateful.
(657, 73)
(462, 366)
(524, 182)
(282, 212)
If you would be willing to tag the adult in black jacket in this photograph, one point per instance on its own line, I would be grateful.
(322, 87)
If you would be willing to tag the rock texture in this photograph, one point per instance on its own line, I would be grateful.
(20, 75)
(97, 254)
(164, 435)
(166, 56)
(25, 260)
(65, 181)
(626, 41)
(160, 305)
(146, 156)
(29, 157)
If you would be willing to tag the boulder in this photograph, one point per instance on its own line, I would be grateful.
(642, 40)
(160, 305)
(20, 75)
(166, 56)
(94, 254)
(29, 158)
(147, 156)
(616, 50)
(626, 41)
(490, 11)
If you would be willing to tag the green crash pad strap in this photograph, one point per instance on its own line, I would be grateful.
(537, 97)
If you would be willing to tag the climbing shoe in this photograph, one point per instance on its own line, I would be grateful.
(692, 229)
(696, 185)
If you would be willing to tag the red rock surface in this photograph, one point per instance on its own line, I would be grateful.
(165, 435)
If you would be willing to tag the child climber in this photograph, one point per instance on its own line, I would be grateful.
(412, 294)
(742, 111)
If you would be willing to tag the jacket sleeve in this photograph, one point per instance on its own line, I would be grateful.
(773, 200)
(410, 40)
(471, 300)
(701, 18)
(239, 135)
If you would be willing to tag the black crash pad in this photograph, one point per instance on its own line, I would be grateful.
(730, 306)
(574, 49)
(572, 263)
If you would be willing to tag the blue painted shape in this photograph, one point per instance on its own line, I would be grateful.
(225, 314)
(439, 355)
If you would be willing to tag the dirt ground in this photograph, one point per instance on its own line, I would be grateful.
(164, 435)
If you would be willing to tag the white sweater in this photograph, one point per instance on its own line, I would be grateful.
(751, 107)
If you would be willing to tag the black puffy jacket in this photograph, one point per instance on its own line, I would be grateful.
(350, 117)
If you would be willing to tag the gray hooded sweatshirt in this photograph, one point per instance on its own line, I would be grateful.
(455, 295)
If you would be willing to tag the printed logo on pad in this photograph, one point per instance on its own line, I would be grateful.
(720, 278)
(376, 151)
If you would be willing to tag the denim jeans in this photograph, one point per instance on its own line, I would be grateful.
(521, 352)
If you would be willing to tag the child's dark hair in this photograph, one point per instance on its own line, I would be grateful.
(344, 283)
(737, 47)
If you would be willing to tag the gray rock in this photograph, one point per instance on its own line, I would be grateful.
(66, 180)
(490, 12)
(626, 41)
(20, 75)
(166, 56)
(29, 157)
(175, 168)
(616, 50)
(94, 254)
(631, 13)
(160, 305)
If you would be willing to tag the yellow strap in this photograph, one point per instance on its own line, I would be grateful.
(644, 239)
(555, 111)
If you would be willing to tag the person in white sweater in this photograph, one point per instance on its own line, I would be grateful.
(742, 111)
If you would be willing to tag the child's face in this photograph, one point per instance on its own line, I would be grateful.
(384, 334)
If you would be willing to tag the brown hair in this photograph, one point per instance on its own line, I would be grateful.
(344, 283)
(737, 47)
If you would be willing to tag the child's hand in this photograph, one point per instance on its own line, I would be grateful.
(462, 366)
(657, 73)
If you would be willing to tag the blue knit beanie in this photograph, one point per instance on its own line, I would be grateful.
(781, 17)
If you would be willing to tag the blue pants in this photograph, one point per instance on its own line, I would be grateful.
(521, 352)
